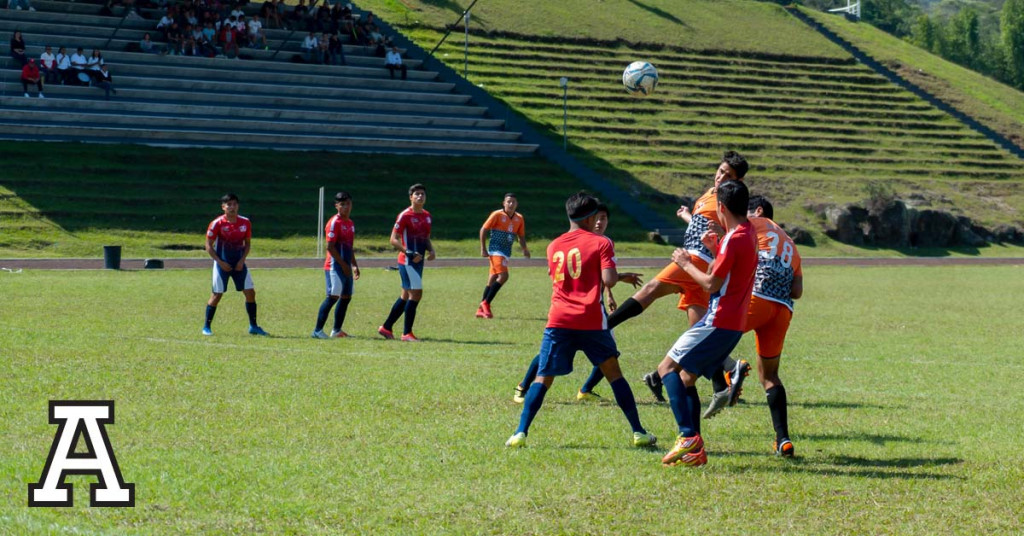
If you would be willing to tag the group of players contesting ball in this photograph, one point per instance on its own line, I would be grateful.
(737, 271)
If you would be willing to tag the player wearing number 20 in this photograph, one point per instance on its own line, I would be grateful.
(579, 263)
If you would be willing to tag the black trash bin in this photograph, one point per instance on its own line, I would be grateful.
(112, 257)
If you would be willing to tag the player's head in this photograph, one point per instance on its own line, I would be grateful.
(733, 197)
(343, 202)
(510, 203)
(733, 167)
(418, 194)
(229, 204)
(581, 208)
(760, 207)
(601, 219)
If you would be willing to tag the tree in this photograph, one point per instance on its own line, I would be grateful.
(1012, 24)
(893, 16)
(925, 33)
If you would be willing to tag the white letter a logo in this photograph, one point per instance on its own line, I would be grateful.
(81, 420)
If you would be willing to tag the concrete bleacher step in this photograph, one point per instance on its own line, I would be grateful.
(73, 19)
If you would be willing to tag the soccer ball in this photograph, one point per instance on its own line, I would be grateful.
(640, 79)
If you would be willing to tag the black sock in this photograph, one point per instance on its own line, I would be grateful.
(250, 308)
(718, 381)
(410, 315)
(210, 311)
(339, 313)
(325, 309)
(728, 364)
(495, 287)
(487, 290)
(627, 310)
(396, 311)
(777, 407)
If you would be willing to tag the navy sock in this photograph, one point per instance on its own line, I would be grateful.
(325, 309)
(627, 310)
(250, 308)
(777, 407)
(487, 290)
(531, 405)
(410, 315)
(396, 311)
(210, 311)
(495, 287)
(676, 397)
(718, 381)
(340, 311)
(693, 404)
(728, 364)
(595, 378)
(627, 403)
(531, 372)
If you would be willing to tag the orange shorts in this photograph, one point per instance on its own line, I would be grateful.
(499, 264)
(769, 321)
(693, 294)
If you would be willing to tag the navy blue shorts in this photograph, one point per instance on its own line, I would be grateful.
(701, 349)
(241, 278)
(412, 275)
(559, 346)
(338, 284)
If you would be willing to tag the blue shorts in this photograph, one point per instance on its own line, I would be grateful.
(242, 279)
(559, 346)
(338, 284)
(412, 275)
(701, 349)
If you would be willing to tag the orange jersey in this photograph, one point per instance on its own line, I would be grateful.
(778, 262)
(705, 210)
(504, 231)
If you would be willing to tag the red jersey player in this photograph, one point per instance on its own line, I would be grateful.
(702, 348)
(340, 268)
(227, 243)
(579, 261)
(411, 237)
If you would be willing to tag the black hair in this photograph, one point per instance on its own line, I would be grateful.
(228, 197)
(342, 196)
(737, 163)
(734, 196)
(601, 207)
(415, 187)
(510, 194)
(580, 205)
(767, 210)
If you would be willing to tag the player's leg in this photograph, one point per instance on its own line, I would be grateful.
(586, 391)
(491, 278)
(243, 282)
(332, 282)
(626, 401)
(556, 354)
(397, 308)
(347, 288)
(638, 302)
(415, 295)
(531, 374)
(498, 277)
(770, 340)
(218, 286)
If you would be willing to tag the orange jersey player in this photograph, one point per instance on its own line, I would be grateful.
(504, 227)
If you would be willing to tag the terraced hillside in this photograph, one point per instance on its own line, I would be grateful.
(813, 127)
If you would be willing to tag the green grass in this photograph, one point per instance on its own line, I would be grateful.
(994, 104)
(899, 423)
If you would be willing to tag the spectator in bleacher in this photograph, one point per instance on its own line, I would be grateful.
(190, 18)
(175, 39)
(393, 61)
(165, 22)
(237, 12)
(63, 65)
(20, 4)
(48, 65)
(311, 48)
(242, 30)
(345, 20)
(324, 51)
(189, 46)
(209, 39)
(362, 29)
(94, 63)
(257, 37)
(297, 18)
(78, 65)
(30, 75)
(228, 39)
(105, 82)
(322, 20)
(267, 11)
(336, 50)
(147, 45)
(18, 49)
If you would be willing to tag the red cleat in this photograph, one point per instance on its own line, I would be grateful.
(409, 337)
(386, 333)
(485, 308)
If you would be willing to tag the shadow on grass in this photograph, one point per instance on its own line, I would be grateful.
(893, 462)
(873, 438)
(837, 405)
(456, 341)
(659, 12)
(853, 466)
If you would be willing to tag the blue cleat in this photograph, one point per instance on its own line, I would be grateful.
(207, 331)
(256, 330)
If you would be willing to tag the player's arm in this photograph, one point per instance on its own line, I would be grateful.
(522, 244)
(483, 241)
(213, 255)
(431, 254)
(797, 289)
(708, 282)
(332, 249)
(396, 242)
(632, 278)
(684, 214)
(245, 254)
(610, 300)
(609, 276)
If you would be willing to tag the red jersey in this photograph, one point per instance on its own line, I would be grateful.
(414, 230)
(575, 261)
(735, 262)
(343, 233)
(229, 238)
(705, 210)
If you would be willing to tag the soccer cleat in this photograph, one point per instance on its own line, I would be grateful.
(644, 439)
(784, 448)
(485, 308)
(386, 333)
(653, 382)
(409, 337)
(736, 377)
(517, 441)
(686, 451)
(256, 330)
(719, 401)
(480, 311)
(338, 334)
(319, 334)
(520, 395)
(207, 331)
(587, 397)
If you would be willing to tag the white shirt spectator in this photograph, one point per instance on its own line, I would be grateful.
(48, 60)
(237, 14)
(393, 58)
(310, 43)
(79, 61)
(165, 22)
(254, 27)
(94, 63)
(63, 61)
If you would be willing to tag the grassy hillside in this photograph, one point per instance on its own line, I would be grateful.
(998, 106)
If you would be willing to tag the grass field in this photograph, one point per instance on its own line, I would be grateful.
(902, 389)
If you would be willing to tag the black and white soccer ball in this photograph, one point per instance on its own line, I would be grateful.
(640, 79)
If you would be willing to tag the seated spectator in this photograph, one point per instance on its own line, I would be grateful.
(105, 81)
(323, 50)
(189, 46)
(209, 36)
(242, 31)
(228, 38)
(18, 49)
(94, 63)
(174, 39)
(165, 22)
(393, 61)
(30, 75)
(20, 4)
(336, 50)
(147, 45)
(298, 15)
(48, 65)
(63, 65)
(257, 37)
(269, 13)
(237, 12)
(78, 60)
(311, 48)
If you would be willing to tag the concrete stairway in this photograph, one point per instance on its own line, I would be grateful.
(261, 101)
